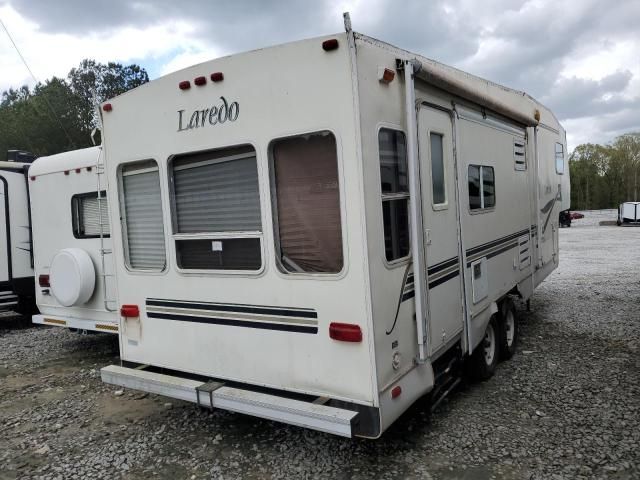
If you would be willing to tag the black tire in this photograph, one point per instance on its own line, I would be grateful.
(485, 357)
(508, 329)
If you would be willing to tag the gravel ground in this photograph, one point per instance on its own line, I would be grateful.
(567, 406)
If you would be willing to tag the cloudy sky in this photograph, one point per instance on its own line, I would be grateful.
(579, 57)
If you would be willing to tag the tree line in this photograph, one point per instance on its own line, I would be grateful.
(60, 114)
(604, 176)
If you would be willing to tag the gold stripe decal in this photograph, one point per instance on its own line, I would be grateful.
(54, 321)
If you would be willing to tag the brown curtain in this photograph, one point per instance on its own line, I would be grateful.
(308, 202)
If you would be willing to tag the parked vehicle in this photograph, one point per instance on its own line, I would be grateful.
(72, 244)
(565, 218)
(16, 259)
(321, 232)
(629, 213)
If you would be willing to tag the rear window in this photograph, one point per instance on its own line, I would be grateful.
(141, 208)
(88, 218)
(216, 210)
(307, 203)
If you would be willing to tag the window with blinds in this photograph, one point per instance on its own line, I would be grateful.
(141, 208)
(86, 215)
(217, 222)
(307, 203)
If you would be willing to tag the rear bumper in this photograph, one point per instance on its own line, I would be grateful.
(311, 415)
(79, 323)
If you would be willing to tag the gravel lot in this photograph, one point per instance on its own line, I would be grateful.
(566, 406)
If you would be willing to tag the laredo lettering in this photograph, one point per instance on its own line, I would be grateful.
(216, 114)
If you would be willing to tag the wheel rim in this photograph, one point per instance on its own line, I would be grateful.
(509, 328)
(489, 345)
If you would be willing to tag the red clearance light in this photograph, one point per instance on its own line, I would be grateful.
(396, 391)
(331, 44)
(43, 281)
(200, 81)
(78, 170)
(66, 172)
(184, 85)
(386, 75)
(107, 107)
(129, 311)
(345, 332)
(217, 77)
(33, 179)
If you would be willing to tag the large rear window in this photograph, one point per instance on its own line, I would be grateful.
(216, 210)
(307, 203)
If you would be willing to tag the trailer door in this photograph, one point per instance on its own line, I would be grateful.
(441, 242)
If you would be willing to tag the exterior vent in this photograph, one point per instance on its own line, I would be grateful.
(518, 154)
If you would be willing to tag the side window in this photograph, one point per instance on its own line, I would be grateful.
(87, 218)
(482, 187)
(559, 159)
(395, 192)
(216, 210)
(306, 196)
(437, 170)
(141, 210)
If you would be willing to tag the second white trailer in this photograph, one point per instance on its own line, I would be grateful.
(322, 232)
(72, 247)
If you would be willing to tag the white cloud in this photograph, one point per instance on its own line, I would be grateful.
(50, 54)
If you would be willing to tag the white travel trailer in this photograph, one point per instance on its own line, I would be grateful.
(16, 259)
(320, 232)
(629, 213)
(72, 246)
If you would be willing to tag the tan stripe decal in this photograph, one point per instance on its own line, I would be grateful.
(54, 321)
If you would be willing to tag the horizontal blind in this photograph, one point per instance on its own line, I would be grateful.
(143, 213)
(217, 196)
(90, 216)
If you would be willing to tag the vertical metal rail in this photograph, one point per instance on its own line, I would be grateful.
(415, 211)
(103, 251)
(459, 177)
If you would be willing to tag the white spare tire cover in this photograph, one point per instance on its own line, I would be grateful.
(72, 277)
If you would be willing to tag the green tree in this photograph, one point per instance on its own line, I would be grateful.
(59, 115)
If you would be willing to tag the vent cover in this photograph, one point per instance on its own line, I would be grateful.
(518, 154)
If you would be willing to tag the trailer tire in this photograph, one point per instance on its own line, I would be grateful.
(508, 329)
(485, 357)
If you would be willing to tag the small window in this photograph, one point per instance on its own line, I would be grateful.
(482, 187)
(141, 208)
(519, 154)
(559, 159)
(395, 193)
(89, 218)
(437, 169)
(217, 223)
(306, 194)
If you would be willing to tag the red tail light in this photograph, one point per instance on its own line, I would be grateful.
(184, 85)
(396, 391)
(330, 44)
(129, 311)
(43, 281)
(345, 332)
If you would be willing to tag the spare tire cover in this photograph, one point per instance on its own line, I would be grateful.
(72, 277)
